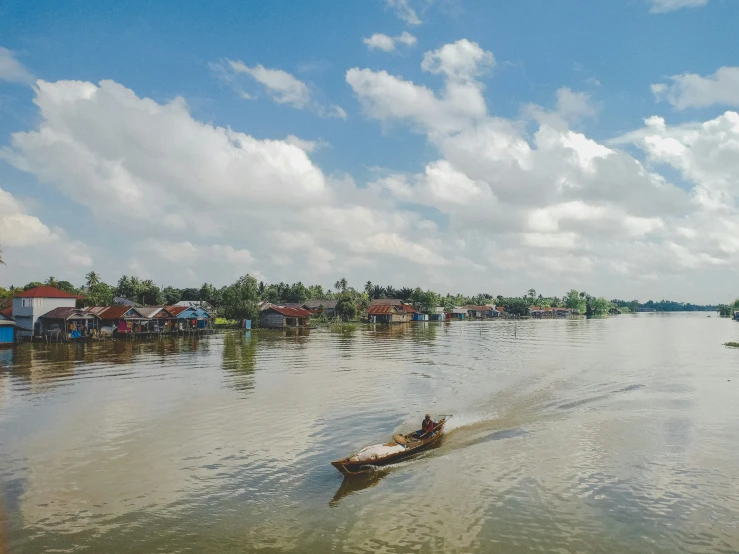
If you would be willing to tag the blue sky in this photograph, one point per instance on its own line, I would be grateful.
(460, 145)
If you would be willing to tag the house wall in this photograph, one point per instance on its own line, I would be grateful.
(271, 320)
(26, 316)
(7, 334)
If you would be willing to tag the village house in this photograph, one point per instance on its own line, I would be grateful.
(189, 317)
(281, 317)
(387, 313)
(547, 312)
(71, 323)
(480, 312)
(115, 320)
(458, 313)
(32, 303)
(161, 319)
(439, 314)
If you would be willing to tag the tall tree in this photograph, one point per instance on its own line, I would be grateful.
(92, 279)
(368, 286)
(1, 255)
(341, 284)
(240, 300)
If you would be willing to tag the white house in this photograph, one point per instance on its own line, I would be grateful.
(32, 303)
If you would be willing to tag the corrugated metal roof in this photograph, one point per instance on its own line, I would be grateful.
(67, 313)
(117, 312)
(290, 312)
(386, 302)
(382, 310)
(407, 308)
(176, 310)
(7, 312)
(316, 304)
(150, 311)
(45, 291)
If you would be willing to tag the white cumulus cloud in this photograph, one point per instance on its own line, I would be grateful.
(379, 41)
(282, 87)
(690, 90)
(404, 11)
(12, 70)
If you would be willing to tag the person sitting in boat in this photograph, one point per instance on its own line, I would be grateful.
(427, 427)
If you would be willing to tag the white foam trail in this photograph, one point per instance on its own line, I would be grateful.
(465, 420)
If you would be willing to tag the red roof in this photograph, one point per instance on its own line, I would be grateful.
(176, 310)
(7, 312)
(45, 291)
(116, 312)
(407, 308)
(290, 312)
(382, 310)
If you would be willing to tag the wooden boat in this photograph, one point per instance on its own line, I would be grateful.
(413, 446)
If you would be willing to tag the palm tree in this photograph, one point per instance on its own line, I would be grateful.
(92, 279)
(52, 282)
(368, 288)
(341, 284)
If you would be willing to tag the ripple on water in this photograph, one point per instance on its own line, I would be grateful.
(571, 436)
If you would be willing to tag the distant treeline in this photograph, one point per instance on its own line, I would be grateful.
(665, 306)
(240, 299)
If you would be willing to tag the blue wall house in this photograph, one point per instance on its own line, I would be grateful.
(7, 330)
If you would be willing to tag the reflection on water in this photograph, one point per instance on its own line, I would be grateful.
(610, 435)
(352, 485)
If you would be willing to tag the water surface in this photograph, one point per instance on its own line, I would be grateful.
(606, 435)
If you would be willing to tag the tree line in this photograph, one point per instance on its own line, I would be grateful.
(728, 310)
(240, 299)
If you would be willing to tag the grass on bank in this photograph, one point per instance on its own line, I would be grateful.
(732, 344)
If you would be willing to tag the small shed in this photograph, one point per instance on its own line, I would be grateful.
(281, 317)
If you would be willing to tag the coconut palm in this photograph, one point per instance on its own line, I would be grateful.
(92, 279)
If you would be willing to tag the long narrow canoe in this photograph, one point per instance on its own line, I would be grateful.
(413, 445)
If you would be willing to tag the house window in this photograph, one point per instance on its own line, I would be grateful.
(27, 302)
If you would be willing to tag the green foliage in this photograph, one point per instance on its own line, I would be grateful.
(171, 295)
(208, 293)
(240, 300)
(732, 344)
(347, 305)
(724, 310)
(5, 293)
(99, 294)
(597, 306)
(424, 301)
(573, 301)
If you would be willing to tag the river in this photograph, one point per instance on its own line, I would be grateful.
(606, 435)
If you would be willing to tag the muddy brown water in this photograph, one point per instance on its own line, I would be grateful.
(608, 435)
